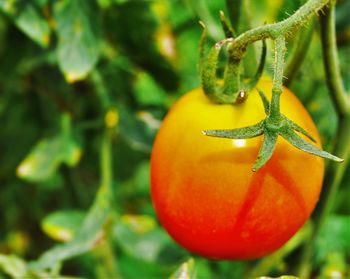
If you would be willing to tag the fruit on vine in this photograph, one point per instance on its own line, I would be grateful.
(204, 191)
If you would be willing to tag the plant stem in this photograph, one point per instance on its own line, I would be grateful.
(100, 90)
(330, 56)
(106, 259)
(106, 160)
(298, 53)
(106, 266)
(280, 50)
(282, 28)
(335, 172)
(273, 31)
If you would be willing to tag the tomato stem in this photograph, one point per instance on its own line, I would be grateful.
(280, 50)
(282, 28)
(238, 47)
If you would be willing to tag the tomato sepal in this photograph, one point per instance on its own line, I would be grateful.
(271, 128)
(298, 142)
(240, 133)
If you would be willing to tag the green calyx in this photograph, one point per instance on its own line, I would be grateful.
(271, 128)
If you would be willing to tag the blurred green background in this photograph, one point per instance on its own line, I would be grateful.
(84, 86)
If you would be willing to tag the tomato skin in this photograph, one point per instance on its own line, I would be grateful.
(204, 191)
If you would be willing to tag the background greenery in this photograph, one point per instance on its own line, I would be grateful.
(84, 86)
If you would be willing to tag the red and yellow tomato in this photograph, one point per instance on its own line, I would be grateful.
(204, 191)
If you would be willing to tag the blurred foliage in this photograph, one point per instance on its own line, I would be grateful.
(84, 86)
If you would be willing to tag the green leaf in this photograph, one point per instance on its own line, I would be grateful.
(134, 268)
(13, 266)
(152, 49)
(78, 37)
(147, 91)
(137, 133)
(266, 150)
(140, 237)
(46, 157)
(63, 225)
(85, 239)
(240, 133)
(28, 19)
(34, 25)
(186, 270)
(333, 237)
(302, 144)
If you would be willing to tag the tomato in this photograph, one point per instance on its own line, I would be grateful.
(204, 191)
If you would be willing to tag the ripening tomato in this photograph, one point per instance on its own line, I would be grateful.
(204, 191)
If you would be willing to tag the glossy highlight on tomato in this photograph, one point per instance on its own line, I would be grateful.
(204, 191)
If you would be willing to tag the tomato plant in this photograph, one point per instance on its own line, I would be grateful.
(204, 191)
(81, 104)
